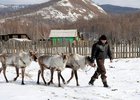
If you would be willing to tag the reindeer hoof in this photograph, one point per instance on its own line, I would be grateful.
(7, 81)
(48, 83)
(15, 79)
(37, 82)
(64, 82)
(67, 82)
(45, 83)
(78, 85)
(22, 83)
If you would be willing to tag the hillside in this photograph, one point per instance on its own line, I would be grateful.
(118, 9)
(62, 11)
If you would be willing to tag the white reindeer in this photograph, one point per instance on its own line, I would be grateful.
(54, 63)
(76, 62)
(21, 60)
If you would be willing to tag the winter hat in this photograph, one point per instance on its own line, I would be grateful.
(103, 37)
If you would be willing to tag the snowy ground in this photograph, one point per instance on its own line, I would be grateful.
(123, 78)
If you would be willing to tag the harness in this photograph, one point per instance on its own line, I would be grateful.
(22, 61)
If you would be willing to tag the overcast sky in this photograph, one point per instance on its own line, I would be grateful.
(22, 1)
(128, 3)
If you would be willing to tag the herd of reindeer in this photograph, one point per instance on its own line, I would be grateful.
(53, 63)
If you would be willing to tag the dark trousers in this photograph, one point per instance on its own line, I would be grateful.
(100, 70)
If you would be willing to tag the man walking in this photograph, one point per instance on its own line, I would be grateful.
(100, 51)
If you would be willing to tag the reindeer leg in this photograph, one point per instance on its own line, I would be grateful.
(52, 72)
(22, 73)
(17, 72)
(1, 69)
(42, 74)
(62, 79)
(76, 76)
(39, 72)
(4, 73)
(59, 74)
(72, 73)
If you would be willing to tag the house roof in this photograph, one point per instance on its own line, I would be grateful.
(63, 33)
(20, 39)
(15, 34)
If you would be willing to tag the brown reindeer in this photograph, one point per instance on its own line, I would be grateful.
(53, 63)
(21, 60)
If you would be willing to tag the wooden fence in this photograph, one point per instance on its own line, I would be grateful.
(119, 49)
(126, 49)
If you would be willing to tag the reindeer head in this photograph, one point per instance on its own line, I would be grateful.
(33, 55)
(89, 61)
(65, 58)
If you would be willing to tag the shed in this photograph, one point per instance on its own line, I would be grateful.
(63, 35)
(5, 37)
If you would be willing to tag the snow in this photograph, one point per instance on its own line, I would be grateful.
(70, 12)
(65, 3)
(86, 1)
(123, 78)
(20, 40)
(73, 12)
(100, 9)
(3, 6)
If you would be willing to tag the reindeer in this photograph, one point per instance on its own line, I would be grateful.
(53, 63)
(76, 62)
(21, 60)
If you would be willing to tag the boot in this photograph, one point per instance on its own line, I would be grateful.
(105, 84)
(91, 82)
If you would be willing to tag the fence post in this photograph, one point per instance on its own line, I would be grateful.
(70, 51)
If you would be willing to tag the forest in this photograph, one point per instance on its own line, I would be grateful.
(116, 27)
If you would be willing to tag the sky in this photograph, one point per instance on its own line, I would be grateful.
(123, 77)
(22, 1)
(128, 3)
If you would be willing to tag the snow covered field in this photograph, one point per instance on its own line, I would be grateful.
(123, 78)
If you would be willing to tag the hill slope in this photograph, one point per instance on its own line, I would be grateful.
(63, 10)
(118, 9)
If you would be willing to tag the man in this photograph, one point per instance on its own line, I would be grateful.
(100, 51)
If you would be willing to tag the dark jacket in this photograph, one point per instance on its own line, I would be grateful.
(100, 51)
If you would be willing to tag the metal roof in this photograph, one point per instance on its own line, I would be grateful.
(63, 33)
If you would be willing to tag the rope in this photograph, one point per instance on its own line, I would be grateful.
(88, 70)
(22, 61)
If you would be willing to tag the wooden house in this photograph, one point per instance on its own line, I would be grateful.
(63, 36)
(5, 37)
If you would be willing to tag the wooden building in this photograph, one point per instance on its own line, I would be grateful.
(63, 36)
(10, 36)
